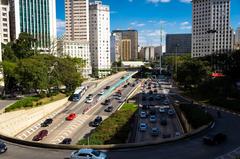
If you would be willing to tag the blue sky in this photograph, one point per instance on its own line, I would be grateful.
(147, 16)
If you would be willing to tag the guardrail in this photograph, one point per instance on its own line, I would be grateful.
(106, 147)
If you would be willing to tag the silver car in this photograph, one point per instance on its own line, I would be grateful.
(88, 154)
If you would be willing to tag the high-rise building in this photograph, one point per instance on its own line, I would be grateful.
(77, 20)
(131, 35)
(237, 39)
(211, 30)
(149, 54)
(4, 24)
(178, 43)
(99, 27)
(37, 18)
(75, 42)
(125, 50)
(116, 42)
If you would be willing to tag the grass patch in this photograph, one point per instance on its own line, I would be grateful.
(195, 116)
(115, 129)
(33, 101)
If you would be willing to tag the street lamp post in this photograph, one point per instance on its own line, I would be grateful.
(176, 63)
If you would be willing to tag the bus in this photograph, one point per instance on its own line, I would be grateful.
(79, 92)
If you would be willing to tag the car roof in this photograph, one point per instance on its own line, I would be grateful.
(85, 150)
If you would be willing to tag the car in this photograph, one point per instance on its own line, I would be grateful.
(149, 87)
(40, 135)
(177, 134)
(106, 102)
(153, 118)
(150, 92)
(155, 132)
(90, 96)
(88, 154)
(89, 100)
(3, 147)
(150, 99)
(133, 85)
(155, 91)
(143, 114)
(166, 136)
(118, 97)
(107, 87)
(162, 110)
(66, 141)
(125, 86)
(165, 102)
(101, 93)
(171, 112)
(109, 109)
(214, 139)
(152, 112)
(143, 127)
(71, 116)
(97, 121)
(47, 122)
(145, 107)
(122, 77)
(163, 122)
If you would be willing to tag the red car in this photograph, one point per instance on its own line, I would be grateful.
(40, 135)
(71, 116)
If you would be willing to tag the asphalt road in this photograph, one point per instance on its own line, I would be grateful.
(173, 125)
(186, 149)
(79, 127)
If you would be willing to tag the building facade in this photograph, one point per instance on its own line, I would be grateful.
(76, 49)
(131, 35)
(75, 42)
(211, 30)
(237, 39)
(37, 18)
(178, 43)
(116, 44)
(99, 26)
(4, 24)
(77, 20)
(126, 50)
(149, 53)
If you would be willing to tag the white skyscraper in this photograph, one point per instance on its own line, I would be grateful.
(116, 42)
(99, 27)
(237, 38)
(37, 18)
(4, 24)
(76, 40)
(211, 30)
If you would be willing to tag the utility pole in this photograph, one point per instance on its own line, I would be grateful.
(161, 42)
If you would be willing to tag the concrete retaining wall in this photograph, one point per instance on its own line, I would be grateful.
(14, 122)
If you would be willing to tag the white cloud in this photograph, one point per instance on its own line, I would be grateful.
(186, 1)
(158, 1)
(136, 24)
(130, 0)
(60, 26)
(185, 25)
(151, 37)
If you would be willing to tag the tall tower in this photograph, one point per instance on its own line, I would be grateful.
(77, 20)
(36, 17)
(211, 31)
(99, 26)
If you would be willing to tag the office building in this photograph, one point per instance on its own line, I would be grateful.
(99, 26)
(77, 20)
(37, 18)
(237, 39)
(211, 30)
(158, 50)
(125, 50)
(116, 43)
(131, 35)
(149, 53)
(178, 44)
(4, 24)
(75, 42)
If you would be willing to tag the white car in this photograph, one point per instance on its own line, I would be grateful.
(118, 97)
(88, 154)
(143, 114)
(162, 110)
(89, 100)
(101, 93)
(143, 127)
(171, 112)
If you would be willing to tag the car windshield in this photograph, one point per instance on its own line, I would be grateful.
(96, 153)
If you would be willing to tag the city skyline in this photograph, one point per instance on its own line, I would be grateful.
(174, 15)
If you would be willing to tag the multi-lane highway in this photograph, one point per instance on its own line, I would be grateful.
(79, 127)
(151, 99)
(192, 148)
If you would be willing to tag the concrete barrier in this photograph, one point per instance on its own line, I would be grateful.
(14, 122)
(104, 147)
